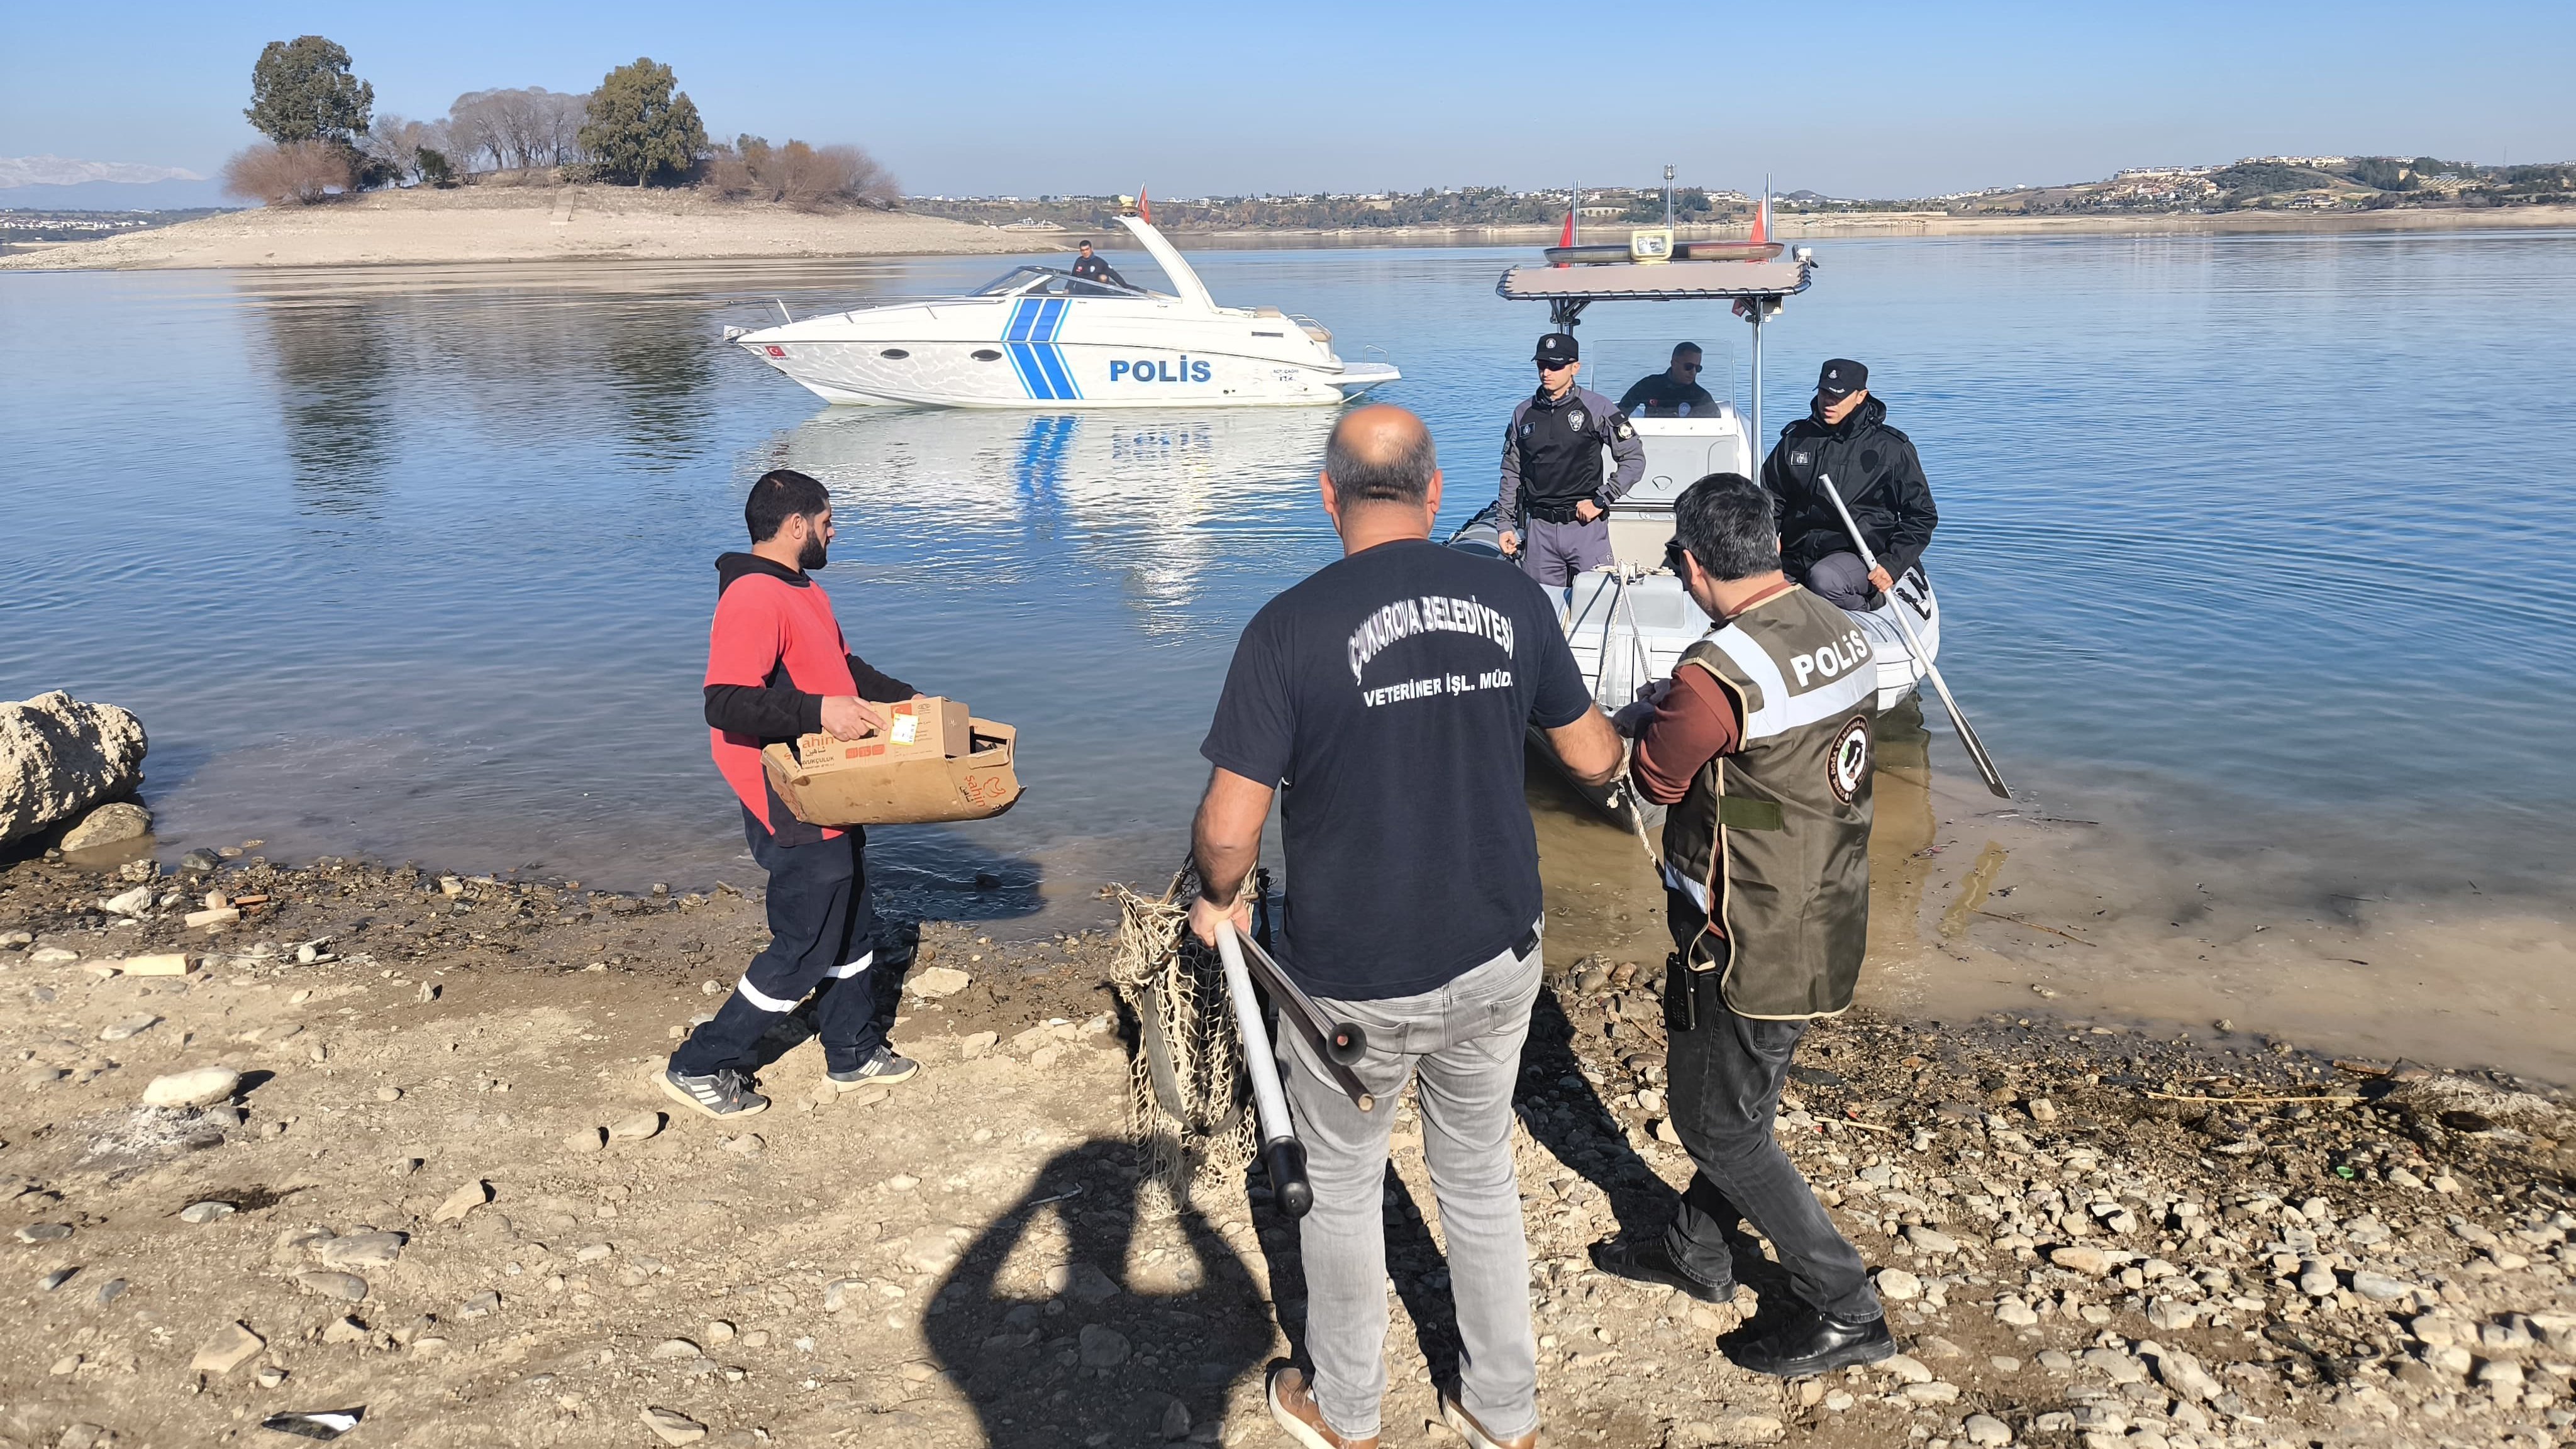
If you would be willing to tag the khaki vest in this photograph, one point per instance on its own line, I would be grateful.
(1773, 840)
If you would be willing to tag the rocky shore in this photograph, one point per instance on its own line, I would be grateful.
(441, 1190)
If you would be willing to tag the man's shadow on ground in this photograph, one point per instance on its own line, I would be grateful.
(1016, 1343)
(1091, 1352)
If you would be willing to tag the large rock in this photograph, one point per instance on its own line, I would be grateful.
(114, 823)
(59, 757)
(203, 1087)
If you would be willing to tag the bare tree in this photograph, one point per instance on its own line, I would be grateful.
(859, 177)
(563, 116)
(519, 129)
(302, 172)
(398, 143)
(809, 178)
(523, 124)
(727, 176)
(471, 134)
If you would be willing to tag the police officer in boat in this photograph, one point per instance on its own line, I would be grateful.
(1845, 437)
(1555, 503)
(1091, 266)
(1672, 393)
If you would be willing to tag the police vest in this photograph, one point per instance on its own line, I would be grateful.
(1772, 842)
(1560, 449)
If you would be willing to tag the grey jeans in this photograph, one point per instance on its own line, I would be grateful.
(1842, 580)
(1463, 1042)
(1553, 553)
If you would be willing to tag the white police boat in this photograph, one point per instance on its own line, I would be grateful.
(1630, 621)
(1042, 338)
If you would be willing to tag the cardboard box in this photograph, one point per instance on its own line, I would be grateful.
(930, 728)
(952, 767)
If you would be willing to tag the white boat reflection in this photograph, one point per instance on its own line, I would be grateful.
(1157, 500)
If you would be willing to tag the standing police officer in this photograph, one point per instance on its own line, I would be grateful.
(1552, 482)
(1760, 744)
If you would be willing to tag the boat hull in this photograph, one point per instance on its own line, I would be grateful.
(1039, 339)
(992, 373)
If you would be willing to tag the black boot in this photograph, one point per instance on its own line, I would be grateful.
(1818, 1344)
(1652, 1262)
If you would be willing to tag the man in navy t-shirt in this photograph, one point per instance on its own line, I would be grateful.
(1385, 699)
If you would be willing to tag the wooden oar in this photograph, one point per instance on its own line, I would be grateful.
(1958, 717)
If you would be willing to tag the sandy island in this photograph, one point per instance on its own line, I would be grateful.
(520, 224)
(589, 223)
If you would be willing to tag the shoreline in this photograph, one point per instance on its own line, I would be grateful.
(1797, 226)
(589, 224)
(1980, 906)
(446, 1191)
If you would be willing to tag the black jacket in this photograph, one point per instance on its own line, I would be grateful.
(779, 710)
(1656, 395)
(1875, 470)
(1552, 456)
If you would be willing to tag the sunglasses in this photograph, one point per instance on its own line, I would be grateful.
(1690, 367)
(1546, 366)
(1673, 555)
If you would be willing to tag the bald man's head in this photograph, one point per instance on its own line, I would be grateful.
(1381, 454)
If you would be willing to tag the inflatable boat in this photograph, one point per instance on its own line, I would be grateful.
(1630, 621)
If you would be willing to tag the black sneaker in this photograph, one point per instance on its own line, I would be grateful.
(1652, 1262)
(720, 1093)
(882, 1069)
(1818, 1344)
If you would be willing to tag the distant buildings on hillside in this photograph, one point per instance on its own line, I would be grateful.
(2301, 183)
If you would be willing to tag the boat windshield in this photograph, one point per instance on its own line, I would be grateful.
(1052, 282)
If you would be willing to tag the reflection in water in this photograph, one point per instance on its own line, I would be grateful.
(335, 377)
(658, 362)
(1901, 825)
(1156, 501)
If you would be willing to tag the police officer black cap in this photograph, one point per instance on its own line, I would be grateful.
(1841, 377)
(1556, 348)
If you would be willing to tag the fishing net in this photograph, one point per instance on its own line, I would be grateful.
(1188, 1105)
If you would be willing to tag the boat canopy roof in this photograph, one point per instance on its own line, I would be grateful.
(1053, 282)
(1654, 282)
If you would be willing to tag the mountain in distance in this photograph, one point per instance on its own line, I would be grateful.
(63, 183)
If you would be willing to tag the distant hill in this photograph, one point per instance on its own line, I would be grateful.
(115, 196)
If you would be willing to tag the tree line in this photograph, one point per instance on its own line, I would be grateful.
(637, 128)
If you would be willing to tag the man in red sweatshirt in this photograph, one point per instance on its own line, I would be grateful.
(777, 669)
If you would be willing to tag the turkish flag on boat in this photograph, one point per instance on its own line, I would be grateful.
(1566, 238)
(1144, 207)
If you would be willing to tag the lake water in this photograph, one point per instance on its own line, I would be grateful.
(2258, 546)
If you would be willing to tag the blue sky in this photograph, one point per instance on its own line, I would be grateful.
(1851, 99)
